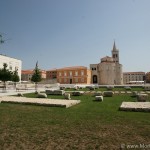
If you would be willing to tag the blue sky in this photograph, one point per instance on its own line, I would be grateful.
(60, 33)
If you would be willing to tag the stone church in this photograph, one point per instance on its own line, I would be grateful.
(109, 70)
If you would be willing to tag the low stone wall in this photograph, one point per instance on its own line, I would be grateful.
(55, 92)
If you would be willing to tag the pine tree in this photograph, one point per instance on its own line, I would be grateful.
(36, 77)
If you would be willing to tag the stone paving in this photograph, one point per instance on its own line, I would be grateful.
(135, 106)
(39, 101)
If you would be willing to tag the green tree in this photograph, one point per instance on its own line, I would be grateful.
(15, 77)
(36, 77)
(5, 75)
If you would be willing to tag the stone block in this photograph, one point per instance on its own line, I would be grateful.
(99, 98)
(135, 106)
(41, 95)
(62, 88)
(76, 88)
(127, 88)
(49, 92)
(98, 94)
(147, 88)
(67, 96)
(142, 97)
(91, 88)
(59, 92)
(110, 87)
(134, 94)
(54, 92)
(108, 93)
(20, 94)
(77, 93)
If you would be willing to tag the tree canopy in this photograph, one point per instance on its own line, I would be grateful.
(36, 77)
(5, 75)
(15, 77)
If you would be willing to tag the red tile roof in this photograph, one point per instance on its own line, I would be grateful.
(72, 68)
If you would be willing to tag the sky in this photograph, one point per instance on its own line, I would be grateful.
(63, 33)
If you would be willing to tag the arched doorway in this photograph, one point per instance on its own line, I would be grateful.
(94, 78)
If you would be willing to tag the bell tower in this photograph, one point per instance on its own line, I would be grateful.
(115, 53)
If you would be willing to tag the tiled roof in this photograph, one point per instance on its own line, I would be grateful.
(26, 71)
(72, 67)
(54, 69)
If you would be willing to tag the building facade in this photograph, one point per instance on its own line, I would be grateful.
(133, 77)
(74, 75)
(147, 77)
(12, 63)
(51, 74)
(26, 75)
(109, 70)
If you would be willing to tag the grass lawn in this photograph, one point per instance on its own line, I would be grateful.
(87, 126)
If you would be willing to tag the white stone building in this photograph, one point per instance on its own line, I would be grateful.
(133, 77)
(12, 64)
(108, 71)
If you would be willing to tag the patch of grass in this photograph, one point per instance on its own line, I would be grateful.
(88, 125)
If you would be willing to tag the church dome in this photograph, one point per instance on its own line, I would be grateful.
(107, 59)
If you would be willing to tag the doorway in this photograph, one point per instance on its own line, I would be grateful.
(94, 78)
(70, 81)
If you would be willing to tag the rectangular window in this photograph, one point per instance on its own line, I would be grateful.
(70, 73)
(59, 73)
(82, 73)
(82, 79)
(76, 80)
(65, 74)
(76, 73)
